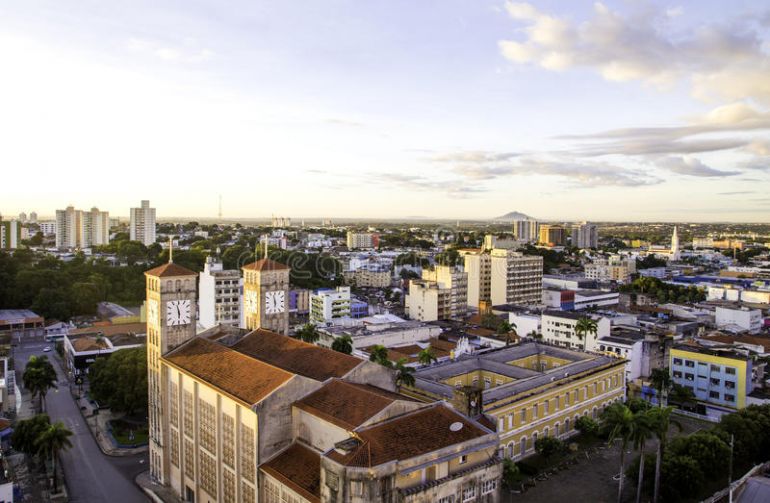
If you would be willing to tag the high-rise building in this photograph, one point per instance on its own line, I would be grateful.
(266, 296)
(82, 229)
(23, 217)
(10, 234)
(478, 266)
(552, 235)
(585, 235)
(516, 278)
(362, 240)
(220, 294)
(441, 294)
(33, 218)
(525, 230)
(142, 226)
(675, 245)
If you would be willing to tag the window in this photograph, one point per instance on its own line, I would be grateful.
(174, 444)
(463, 459)
(546, 407)
(677, 361)
(487, 383)
(729, 384)
(523, 415)
(206, 426)
(488, 486)
(247, 452)
(714, 394)
(566, 399)
(228, 486)
(447, 499)
(208, 473)
(174, 413)
(689, 377)
(510, 421)
(730, 371)
(188, 413)
(546, 431)
(689, 363)
(557, 402)
(500, 424)
(458, 384)
(534, 411)
(189, 459)
(716, 368)
(523, 446)
(469, 493)
(729, 398)
(228, 440)
(247, 493)
(715, 381)
(678, 374)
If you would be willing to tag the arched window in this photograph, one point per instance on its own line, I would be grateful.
(523, 446)
(510, 450)
(546, 430)
(566, 425)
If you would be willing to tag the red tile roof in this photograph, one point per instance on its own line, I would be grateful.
(265, 264)
(348, 405)
(170, 269)
(408, 436)
(296, 356)
(242, 377)
(299, 468)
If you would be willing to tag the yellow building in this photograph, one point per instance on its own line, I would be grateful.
(528, 391)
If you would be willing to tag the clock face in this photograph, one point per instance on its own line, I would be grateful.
(152, 312)
(275, 302)
(178, 312)
(251, 301)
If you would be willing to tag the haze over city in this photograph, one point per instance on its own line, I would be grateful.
(642, 111)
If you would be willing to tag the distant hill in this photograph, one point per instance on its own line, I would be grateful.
(514, 215)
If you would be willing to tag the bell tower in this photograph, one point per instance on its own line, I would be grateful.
(171, 320)
(266, 296)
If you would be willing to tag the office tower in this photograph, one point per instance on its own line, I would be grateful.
(516, 278)
(552, 235)
(142, 226)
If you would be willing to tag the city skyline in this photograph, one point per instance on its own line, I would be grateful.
(640, 111)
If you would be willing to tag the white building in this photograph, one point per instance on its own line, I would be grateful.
(585, 235)
(739, 319)
(627, 344)
(362, 240)
(478, 266)
(524, 323)
(142, 226)
(614, 268)
(456, 284)
(47, 227)
(525, 230)
(595, 299)
(82, 229)
(221, 293)
(558, 327)
(516, 278)
(326, 306)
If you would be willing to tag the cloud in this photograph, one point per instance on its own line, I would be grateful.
(456, 188)
(345, 122)
(757, 163)
(725, 61)
(474, 156)
(736, 193)
(690, 166)
(170, 53)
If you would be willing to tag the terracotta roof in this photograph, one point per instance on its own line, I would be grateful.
(265, 264)
(87, 343)
(741, 339)
(298, 468)
(170, 269)
(110, 330)
(245, 378)
(296, 356)
(408, 436)
(348, 405)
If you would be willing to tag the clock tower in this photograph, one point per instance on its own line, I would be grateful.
(171, 320)
(266, 296)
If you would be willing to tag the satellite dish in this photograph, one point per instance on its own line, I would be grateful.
(456, 426)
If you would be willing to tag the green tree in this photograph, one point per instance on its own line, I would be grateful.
(549, 447)
(510, 473)
(379, 354)
(585, 326)
(39, 376)
(681, 395)
(426, 356)
(120, 380)
(490, 321)
(618, 420)
(707, 449)
(506, 330)
(308, 333)
(51, 442)
(682, 477)
(587, 426)
(343, 344)
(27, 431)
(661, 423)
(661, 380)
(404, 374)
(642, 430)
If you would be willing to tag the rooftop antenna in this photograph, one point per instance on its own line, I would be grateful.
(171, 249)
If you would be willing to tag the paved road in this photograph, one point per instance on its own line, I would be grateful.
(91, 475)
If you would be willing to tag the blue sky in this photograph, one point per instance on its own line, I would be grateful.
(458, 109)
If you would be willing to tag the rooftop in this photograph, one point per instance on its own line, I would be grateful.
(407, 436)
(112, 330)
(724, 352)
(170, 269)
(266, 264)
(243, 377)
(299, 468)
(296, 356)
(17, 315)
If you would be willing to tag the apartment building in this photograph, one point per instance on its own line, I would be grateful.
(220, 294)
(529, 390)
(525, 230)
(478, 266)
(552, 235)
(585, 235)
(558, 327)
(357, 240)
(82, 229)
(441, 294)
(515, 278)
(365, 278)
(614, 268)
(327, 306)
(142, 224)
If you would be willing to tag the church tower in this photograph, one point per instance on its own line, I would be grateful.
(266, 296)
(675, 245)
(171, 321)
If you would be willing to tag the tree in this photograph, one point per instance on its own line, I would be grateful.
(27, 431)
(587, 426)
(642, 429)
(39, 377)
(585, 326)
(661, 380)
(120, 380)
(549, 447)
(51, 442)
(682, 477)
(510, 473)
(427, 356)
(681, 395)
(308, 333)
(707, 449)
(661, 423)
(343, 344)
(404, 374)
(505, 329)
(490, 321)
(619, 422)
(379, 354)
(637, 405)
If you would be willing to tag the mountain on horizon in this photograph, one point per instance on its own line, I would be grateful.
(514, 215)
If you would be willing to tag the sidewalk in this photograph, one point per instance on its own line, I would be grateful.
(97, 424)
(155, 491)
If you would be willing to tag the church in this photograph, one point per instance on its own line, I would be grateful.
(252, 415)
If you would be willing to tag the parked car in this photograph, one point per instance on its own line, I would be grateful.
(46, 349)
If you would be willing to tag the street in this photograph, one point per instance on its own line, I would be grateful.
(90, 474)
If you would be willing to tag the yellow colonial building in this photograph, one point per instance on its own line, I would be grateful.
(526, 391)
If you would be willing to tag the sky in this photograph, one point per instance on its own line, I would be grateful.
(459, 109)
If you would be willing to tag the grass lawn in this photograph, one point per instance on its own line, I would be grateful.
(123, 430)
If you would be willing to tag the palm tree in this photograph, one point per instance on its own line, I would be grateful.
(619, 420)
(643, 429)
(427, 356)
(308, 333)
(343, 344)
(379, 354)
(585, 326)
(404, 375)
(660, 420)
(661, 380)
(51, 442)
(507, 328)
(39, 377)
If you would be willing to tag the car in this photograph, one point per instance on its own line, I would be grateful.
(46, 349)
